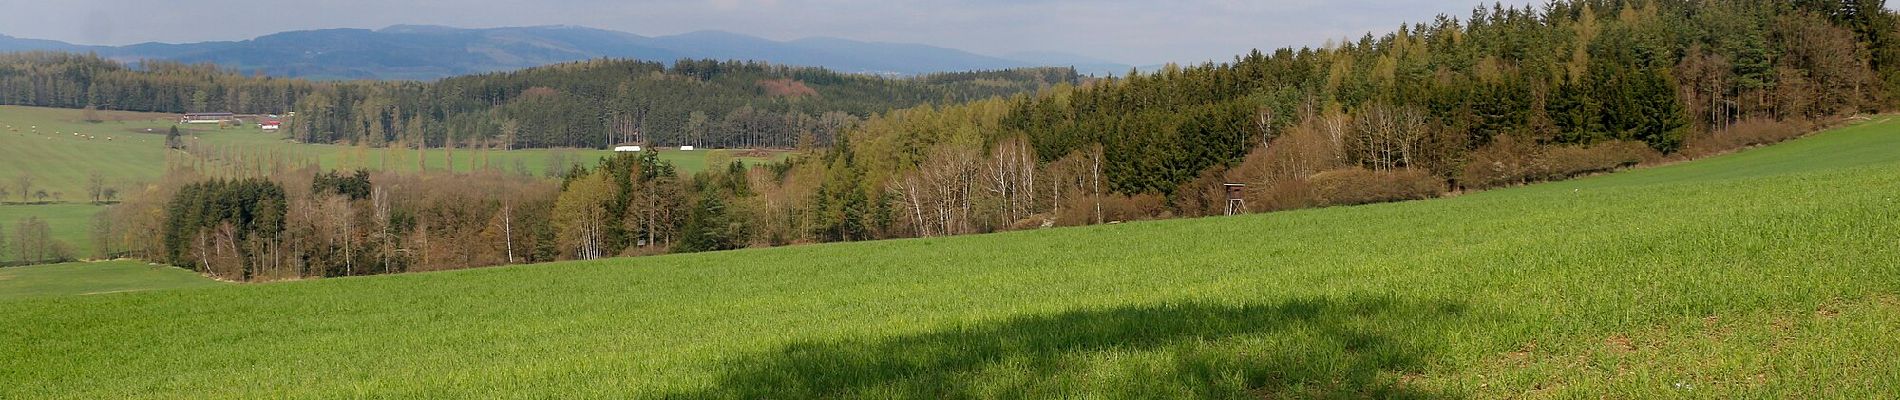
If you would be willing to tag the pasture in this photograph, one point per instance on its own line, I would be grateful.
(1768, 273)
(42, 142)
(94, 278)
(71, 223)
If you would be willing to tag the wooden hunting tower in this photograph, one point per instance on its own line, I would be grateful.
(1236, 198)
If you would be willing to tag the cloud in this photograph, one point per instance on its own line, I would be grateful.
(1129, 31)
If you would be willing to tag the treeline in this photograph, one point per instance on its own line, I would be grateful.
(1428, 95)
(240, 224)
(1505, 97)
(590, 104)
(32, 243)
(300, 222)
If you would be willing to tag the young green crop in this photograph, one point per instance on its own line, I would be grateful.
(1768, 273)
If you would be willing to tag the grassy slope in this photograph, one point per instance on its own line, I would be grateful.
(103, 277)
(1770, 273)
(61, 162)
(71, 223)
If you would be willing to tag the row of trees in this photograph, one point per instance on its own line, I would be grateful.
(299, 222)
(292, 222)
(33, 243)
(594, 104)
(98, 189)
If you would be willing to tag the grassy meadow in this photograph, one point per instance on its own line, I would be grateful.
(71, 223)
(94, 278)
(1772, 273)
(40, 142)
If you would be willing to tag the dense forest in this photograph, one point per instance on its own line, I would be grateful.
(592, 104)
(1504, 97)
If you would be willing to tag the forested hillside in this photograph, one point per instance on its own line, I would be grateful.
(595, 103)
(1504, 97)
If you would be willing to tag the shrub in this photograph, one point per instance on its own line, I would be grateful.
(1745, 134)
(1204, 195)
(61, 252)
(1080, 210)
(1506, 161)
(1570, 161)
(1284, 194)
(1135, 208)
(1362, 186)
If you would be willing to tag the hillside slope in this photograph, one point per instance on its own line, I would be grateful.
(94, 278)
(423, 52)
(1769, 273)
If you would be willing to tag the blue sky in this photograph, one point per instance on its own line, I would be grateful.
(1133, 32)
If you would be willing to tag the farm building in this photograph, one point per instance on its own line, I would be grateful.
(206, 118)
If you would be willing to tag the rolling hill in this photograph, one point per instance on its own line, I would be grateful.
(1766, 273)
(423, 52)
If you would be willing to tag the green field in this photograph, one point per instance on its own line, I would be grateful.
(1772, 273)
(40, 142)
(81, 279)
(71, 223)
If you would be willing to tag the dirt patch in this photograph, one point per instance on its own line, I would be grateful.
(1620, 344)
(112, 291)
(755, 153)
(1522, 356)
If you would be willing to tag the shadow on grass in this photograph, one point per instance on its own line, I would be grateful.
(1302, 348)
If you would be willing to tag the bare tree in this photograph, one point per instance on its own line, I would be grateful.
(33, 238)
(341, 219)
(510, 129)
(1384, 135)
(1095, 156)
(1334, 123)
(939, 193)
(23, 182)
(96, 186)
(1011, 174)
(508, 228)
(102, 235)
(385, 232)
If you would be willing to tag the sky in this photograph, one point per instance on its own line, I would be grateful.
(1132, 32)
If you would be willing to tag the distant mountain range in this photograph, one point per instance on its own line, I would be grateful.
(422, 52)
